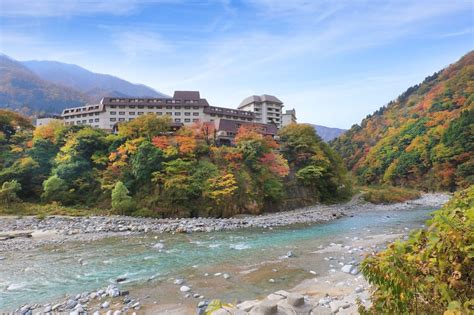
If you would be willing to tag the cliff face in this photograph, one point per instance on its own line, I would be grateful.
(424, 139)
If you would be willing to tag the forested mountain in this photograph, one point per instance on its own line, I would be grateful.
(328, 133)
(425, 138)
(95, 85)
(20, 87)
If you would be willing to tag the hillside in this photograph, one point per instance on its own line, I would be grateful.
(328, 133)
(424, 139)
(95, 85)
(20, 87)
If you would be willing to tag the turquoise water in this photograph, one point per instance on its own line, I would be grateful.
(47, 274)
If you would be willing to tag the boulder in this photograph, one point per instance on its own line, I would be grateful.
(247, 305)
(347, 268)
(265, 307)
(295, 299)
(185, 288)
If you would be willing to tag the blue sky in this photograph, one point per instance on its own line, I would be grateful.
(334, 61)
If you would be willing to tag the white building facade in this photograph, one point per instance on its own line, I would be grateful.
(267, 108)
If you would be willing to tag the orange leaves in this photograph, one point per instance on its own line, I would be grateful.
(160, 142)
(186, 144)
(276, 164)
(427, 101)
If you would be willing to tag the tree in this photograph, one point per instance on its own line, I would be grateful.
(55, 189)
(146, 126)
(121, 201)
(8, 192)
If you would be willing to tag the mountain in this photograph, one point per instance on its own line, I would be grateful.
(20, 87)
(423, 139)
(95, 85)
(328, 133)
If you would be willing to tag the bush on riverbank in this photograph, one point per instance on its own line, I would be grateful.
(433, 271)
(388, 194)
(42, 210)
(163, 174)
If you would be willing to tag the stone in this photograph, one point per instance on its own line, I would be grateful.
(359, 290)
(265, 307)
(336, 305)
(117, 312)
(325, 301)
(275, 297)
(185, 289)
(290, 254)
(226, 276)
(112, 291)
(178, 281)
(355, 271)
(47, 309)
(96, 313)
(121, 279)
(106, 304)
(271, 280)
(347, 268)
(202, 304)
(247, 305)
(55, 307)
(295, 299)
(319, 310)
(70, 304)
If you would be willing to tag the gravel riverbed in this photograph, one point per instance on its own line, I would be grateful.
(20, 233)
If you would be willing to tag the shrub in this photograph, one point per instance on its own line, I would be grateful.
(121, 201)
(388, 194)
(433, 271)
(8, 192)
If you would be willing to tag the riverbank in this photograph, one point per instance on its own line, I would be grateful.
(20, 233)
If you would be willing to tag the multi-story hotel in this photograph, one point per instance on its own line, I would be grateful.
(185, 107)
(267, 108)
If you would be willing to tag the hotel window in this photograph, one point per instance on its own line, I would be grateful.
(113, 113)
(141, 106)
(195, 114)
(187, 107)
(159, 107)
(177, 113)
(169, 113)
(169, 107)
(91, 121)
(113, 106)
(140, 113)
(96, 120)
(132, 106)
(177, 120)
(159, 113)
(187, 120)
(121, 119)
(121, 113)
(150, 107)
(91, 114)
(187, 114)
(97, 114)
(177, 107)
(96, 126)
(84, 121)
(113, 119)
(195, 120)
(195, 107)
(132, 113)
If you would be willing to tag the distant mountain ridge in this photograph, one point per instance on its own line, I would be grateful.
(328, 133)
(20, 88)
(51, 86)
(95, 85)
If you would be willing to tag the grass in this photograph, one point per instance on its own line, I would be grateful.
(43, 210)
(388, 194)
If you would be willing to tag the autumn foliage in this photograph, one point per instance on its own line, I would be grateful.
(424, 139)
(156, 171)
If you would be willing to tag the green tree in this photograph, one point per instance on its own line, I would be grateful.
(121, 201)
(55, 189)
(8, 192)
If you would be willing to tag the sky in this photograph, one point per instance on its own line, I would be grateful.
(334, 61)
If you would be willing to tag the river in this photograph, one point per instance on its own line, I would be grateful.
(255, 260)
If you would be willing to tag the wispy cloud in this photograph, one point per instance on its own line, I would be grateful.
(50, 8)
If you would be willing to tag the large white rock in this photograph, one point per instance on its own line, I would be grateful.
(185, 288)
(347, 268)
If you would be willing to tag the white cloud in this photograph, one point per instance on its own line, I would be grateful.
(47, 8)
